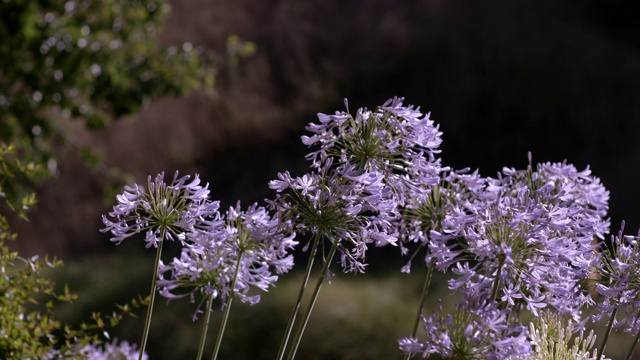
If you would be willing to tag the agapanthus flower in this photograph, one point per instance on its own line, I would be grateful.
(114, 350)
(353, 211)
(580, 190)
(471, 332)
(530, 241)
(428, 211)
(619, 282)
(246, 245)
(396, 141)
(161, 211)
(363, 169)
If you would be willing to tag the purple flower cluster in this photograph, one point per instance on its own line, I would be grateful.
(619, 283)
(439, 211)
(162, 211)
(248, 246)
(526, 238)
(521, 241)
(244, 245)
(364, 169)
(473, 331)
(395, 141)
(94, 351)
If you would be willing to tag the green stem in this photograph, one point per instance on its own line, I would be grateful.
(205, 328)
(314, 297)
(152, 296)
(423, 298)
(606, 334)
(494, 291)
(633, 347)
(225, 315)
(296, 308)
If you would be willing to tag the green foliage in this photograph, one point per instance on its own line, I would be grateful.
(238, 49)
(93, 60)
(29, 328)
(13, 172)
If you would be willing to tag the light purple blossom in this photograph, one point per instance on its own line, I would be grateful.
(351, 210)
(471, 331)
(396, 141)
(364, 168)
(619, 282)
(161, 211)
(441, 211)
(95, 351)
(525, 237)
(248, 243)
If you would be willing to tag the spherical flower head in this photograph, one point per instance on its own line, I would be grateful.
(582, 192)
(396, 141)
(618, 282)
(472, 331)
(248, 246)
(439, 211)
(365, 168)
(529, 241)
(350, 210)
(161, 211)
(114, 350)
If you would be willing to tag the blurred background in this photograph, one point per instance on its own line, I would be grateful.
(558, 78)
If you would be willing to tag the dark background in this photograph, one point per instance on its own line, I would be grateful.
(502, 78)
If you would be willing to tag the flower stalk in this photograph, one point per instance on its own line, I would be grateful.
(633, 346)
(152, 296)
(227, 308)
(314, 297)
(296, 308)
(205, 327)
(423, 299)
(607, 332)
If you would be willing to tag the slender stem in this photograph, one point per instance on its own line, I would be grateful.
(152, 296)
(423, 298)
(294, 312)
(606, 334)
(633, 347)
(494, 291)
(314, 297)
(227, 308)
(205, 328)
